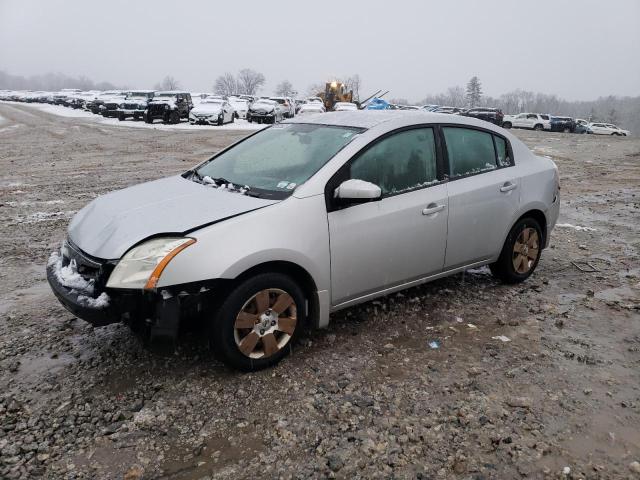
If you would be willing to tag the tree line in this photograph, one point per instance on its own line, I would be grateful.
(624, 111)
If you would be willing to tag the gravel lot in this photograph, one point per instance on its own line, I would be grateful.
(366, 398)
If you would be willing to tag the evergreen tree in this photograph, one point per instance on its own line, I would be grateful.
(474, 92)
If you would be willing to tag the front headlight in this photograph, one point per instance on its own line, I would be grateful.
(142, 266)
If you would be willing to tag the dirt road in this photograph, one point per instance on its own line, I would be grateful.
(366, 398)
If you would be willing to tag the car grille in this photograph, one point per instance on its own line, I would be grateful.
(131, 106)
(111, 106)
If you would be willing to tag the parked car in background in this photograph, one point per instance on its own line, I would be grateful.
(533, 121)
(606, 129)
(135, 104)
(408, 107)
(344, 106)
(209, 245)
(313, 107)
(169, 106)
(109, 106)
(212, 111)
(94, 105)
(265, 111)
(287, 105)
(430, 108)
(492, 115)
(562, 124)
(377, 104)
(450, 110)
(581, 126)
(240, 106)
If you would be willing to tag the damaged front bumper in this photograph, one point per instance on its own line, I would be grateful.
(157, 313)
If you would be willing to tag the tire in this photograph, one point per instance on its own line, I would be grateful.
(233, 118)
(614, 134)
(235, 115)
(538, 127)
(174, 117)
(520, 246)
(566, 130)
(249, 120)
(147, 118)
(221, 120)
(236, 335)
(506, 125)
(121, 117)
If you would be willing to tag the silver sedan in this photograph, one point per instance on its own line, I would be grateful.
(304, 218)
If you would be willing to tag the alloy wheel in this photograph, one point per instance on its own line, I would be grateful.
(525, 250)
(266, 323)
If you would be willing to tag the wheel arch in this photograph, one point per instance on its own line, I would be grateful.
(297, 273)
(538, 216)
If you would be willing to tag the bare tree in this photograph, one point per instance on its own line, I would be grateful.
(456, 96)
(285, 89)
(250, 81)
(168, 83)
(353, 83)
(226, 85)
(315, 89)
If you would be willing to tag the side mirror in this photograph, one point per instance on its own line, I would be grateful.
(357, 191)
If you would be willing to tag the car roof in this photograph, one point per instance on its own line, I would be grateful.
(171, 92)
(372, 118)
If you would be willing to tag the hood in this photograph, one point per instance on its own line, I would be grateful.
(210, 108)
(111, 224)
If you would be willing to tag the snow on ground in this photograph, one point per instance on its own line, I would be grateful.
(61, 111)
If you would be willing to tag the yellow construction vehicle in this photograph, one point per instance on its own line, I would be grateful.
(335, 92)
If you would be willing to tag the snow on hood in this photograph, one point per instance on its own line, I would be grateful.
(207, 108)
(108, 226)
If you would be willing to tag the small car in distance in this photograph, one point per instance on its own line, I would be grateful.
(169, 106)
(344, 106)
(265, 111)
(581, 126)
(313, 107)
(532, 121)
(493, 115)
(607, 129)
(240, 106)
(562, 124)
(265, 238)
(134, 104)
(212, 111)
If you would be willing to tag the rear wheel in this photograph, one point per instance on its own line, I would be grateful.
(538, 127)
(147, 118)
(566, 130)
(520, 253)
(506, 124)
(258, 322)
(121, 116)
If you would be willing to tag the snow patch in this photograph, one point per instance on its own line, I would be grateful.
(576, 227)
(101, 302)
(68, 276)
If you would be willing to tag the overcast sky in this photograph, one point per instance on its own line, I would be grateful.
(577, 49)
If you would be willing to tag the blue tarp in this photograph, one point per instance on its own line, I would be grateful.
(377, 104)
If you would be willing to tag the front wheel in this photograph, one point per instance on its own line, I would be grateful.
(521, 252)
(538, 127)
(258, 322)
(506, 124)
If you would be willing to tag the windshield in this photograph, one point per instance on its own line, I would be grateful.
(214, 101)
(276, 160)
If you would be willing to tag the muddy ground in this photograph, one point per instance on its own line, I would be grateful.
(366, 398)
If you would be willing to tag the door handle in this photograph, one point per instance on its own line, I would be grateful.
(432, 208)
(508, 186)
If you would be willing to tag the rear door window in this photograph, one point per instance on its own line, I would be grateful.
(469, 151)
